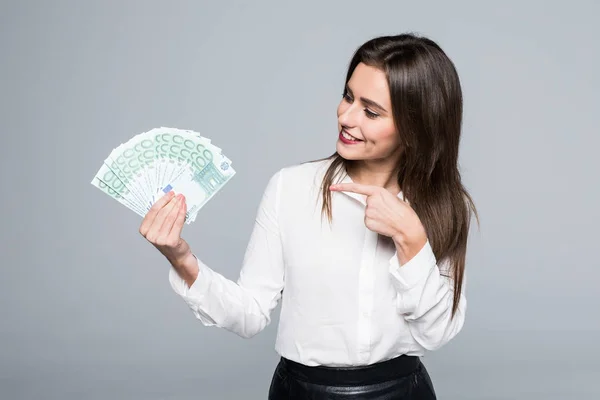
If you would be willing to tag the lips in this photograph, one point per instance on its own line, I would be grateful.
(349, 136)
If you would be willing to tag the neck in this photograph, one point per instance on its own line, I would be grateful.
(368, 173)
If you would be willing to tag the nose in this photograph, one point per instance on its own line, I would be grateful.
(348, 117)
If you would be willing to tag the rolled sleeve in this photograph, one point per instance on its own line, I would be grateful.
(425, 298)
(409, 275)
(194, 294)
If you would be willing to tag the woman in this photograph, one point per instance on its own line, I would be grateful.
(366, 248)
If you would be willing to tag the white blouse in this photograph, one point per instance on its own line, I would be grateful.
(345, 298)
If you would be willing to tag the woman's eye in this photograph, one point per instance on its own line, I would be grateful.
(370, 114)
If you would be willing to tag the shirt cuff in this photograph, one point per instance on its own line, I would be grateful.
(415, 270)
(195, 295)
(198, 288)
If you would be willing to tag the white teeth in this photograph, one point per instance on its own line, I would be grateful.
(348, 136)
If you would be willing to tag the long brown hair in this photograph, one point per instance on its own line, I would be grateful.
(427, 109)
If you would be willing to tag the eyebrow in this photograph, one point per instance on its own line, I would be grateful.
(368, 102)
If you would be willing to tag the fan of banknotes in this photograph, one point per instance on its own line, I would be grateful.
(151, 164)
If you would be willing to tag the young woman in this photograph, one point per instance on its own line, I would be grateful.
(365, 249)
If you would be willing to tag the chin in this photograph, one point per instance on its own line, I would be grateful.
(346, 153)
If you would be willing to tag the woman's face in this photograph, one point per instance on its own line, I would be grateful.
(365, 113)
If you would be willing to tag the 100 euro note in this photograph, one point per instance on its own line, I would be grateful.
(139, 172)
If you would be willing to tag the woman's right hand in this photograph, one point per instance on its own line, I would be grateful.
(162, 227)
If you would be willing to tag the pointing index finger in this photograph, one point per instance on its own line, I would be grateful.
(354, 188)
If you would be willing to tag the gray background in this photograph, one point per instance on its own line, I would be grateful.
(86, 310)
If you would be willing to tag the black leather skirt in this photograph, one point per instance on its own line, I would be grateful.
(401, 378)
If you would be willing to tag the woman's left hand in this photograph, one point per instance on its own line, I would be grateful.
(388, 215)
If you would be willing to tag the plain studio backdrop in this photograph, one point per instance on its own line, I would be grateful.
(86, 309)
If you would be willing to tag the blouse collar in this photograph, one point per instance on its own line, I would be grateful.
(345, 178)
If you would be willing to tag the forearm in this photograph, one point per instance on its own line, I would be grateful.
(407, 248)
(242, 307)
(187, 268)
(425, 298)
(428, 311)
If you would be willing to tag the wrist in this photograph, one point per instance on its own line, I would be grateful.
(180, 261)
(407, 247)
(186, 267)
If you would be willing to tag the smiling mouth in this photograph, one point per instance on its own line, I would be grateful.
(348, 136)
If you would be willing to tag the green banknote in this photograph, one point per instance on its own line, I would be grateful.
(137, 173)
